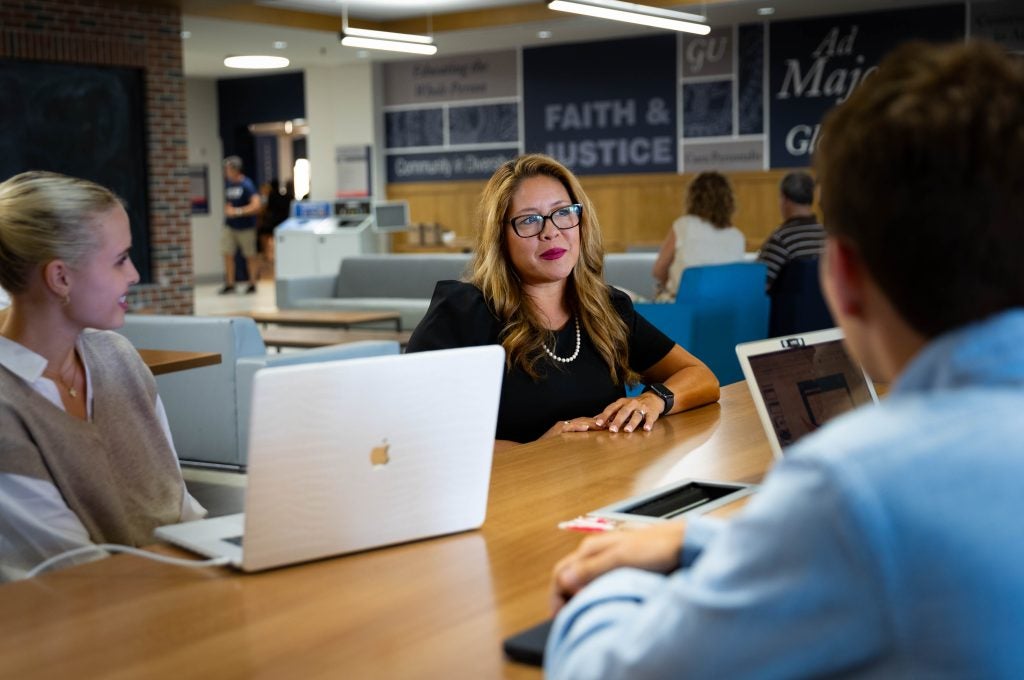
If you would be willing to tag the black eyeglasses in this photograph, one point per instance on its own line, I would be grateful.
(566, 217)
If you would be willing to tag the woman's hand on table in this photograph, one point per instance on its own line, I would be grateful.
(631, 413)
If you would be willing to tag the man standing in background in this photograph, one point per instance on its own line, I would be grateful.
(800, 234)
(241, 207)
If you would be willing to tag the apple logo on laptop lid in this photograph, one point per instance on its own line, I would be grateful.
(379, 454)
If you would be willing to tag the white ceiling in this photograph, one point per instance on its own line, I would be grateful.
(213, 39)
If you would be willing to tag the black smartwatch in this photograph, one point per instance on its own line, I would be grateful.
(663, 392)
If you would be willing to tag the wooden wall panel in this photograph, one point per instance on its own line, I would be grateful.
(635, 210)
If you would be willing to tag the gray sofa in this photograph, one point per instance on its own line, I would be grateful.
(631, 272)
(406, 282)
(208, 407)
(378, 282)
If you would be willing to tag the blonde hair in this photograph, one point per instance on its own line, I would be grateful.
(45, 216)
(710, 197)
(524, 336)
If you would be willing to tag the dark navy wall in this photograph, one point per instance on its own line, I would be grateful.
(259, 99)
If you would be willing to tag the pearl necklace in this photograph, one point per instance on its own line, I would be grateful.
(566, 360)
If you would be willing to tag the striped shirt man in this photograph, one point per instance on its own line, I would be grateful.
(800, 236)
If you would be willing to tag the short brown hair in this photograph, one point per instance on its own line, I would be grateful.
(710, 197)
(922, 171)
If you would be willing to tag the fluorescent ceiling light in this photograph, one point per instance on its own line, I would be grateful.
(393, 45)
(388, 35)
(255, 61)
(634, 14)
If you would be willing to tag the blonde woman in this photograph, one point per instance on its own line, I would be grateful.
(704, 235)
(85, 451)
(572, 342)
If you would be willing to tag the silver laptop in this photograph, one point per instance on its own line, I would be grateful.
(357, 454)
(800, 382)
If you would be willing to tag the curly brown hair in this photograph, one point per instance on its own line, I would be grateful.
(710, 197)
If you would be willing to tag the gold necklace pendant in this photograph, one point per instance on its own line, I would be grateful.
(59, 379)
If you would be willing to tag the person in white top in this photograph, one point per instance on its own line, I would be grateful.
(86, 455)
(704, 235)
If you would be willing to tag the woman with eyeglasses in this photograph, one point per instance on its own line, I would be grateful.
(572, 342)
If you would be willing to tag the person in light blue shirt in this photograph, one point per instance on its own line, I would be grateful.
(888, 544)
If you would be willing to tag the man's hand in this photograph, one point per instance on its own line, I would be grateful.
(654, 548)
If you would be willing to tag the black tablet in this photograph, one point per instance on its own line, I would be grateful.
(688, 496)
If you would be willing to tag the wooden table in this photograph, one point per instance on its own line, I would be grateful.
(162, 361)
(433, 609)
(322, 317)
(321, 337)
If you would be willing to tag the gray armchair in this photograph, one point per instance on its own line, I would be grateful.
(208, 407)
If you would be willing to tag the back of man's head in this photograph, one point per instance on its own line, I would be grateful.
(798, 187)
(922, 171)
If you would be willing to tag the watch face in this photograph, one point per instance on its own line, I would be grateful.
(665, 393)
(661, 391)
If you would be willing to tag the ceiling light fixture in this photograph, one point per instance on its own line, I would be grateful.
(388, 35)
(634, 14)
(391, 45)
(384, 40)
(255, 61)
(766, 11)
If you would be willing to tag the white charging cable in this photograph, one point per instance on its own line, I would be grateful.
(111, 547)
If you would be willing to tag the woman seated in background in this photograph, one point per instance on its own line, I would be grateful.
(572, 342)
(704, 235)
(85, 451)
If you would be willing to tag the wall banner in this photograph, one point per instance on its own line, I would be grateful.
(814, 64)
(443, 79)
(447, 165)
(603, 108)
(1001, 21)
(723, 156)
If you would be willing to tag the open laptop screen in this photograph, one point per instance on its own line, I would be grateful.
(802, 383)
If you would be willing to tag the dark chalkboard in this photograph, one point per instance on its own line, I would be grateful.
(484, 123)
(416, 127)
(707, 109)
(84, 121)
(751, 79)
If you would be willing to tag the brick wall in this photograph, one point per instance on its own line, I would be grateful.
(130, 35)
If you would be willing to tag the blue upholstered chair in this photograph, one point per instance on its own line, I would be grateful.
(797, 305)
(716, 308)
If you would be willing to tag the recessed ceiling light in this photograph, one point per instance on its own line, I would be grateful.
(255, 61)
(543, 35)
(280, 44)
(766, 11)
(185, 35)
